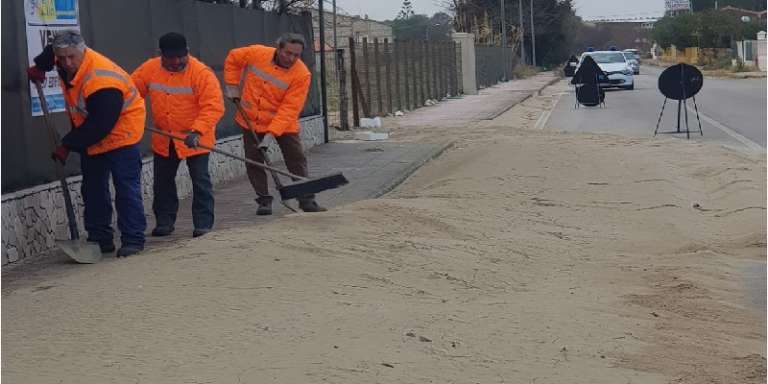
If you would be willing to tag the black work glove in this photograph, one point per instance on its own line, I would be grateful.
(192, 140)
(45, 60)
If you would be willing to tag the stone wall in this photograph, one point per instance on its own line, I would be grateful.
(34, 217)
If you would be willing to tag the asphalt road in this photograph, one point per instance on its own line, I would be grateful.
(732, 111)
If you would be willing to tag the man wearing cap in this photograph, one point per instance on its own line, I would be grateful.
(107, 115)
(186, 101)
(271, 84)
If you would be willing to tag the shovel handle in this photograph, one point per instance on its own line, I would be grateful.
(232, 155)
(74, 234)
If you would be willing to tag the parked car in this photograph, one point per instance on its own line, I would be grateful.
(615, 65)
(633, 63)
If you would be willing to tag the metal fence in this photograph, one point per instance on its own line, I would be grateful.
(489, 64)
(127, 32)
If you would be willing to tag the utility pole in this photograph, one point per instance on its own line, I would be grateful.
(533, 39)
(323, 90)
(521, 28)
(335, 37)
(503, 40)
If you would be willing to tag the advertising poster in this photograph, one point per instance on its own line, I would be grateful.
(43, 19)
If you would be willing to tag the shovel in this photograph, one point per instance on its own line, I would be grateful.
(300, 187)
(81, 252)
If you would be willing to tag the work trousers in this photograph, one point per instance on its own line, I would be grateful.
(124, 164)
(166, 202)
(293, 154)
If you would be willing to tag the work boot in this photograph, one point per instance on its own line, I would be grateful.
(265, 205)
(200, 232)
(128, 250)
(162, 230)
(310, 205)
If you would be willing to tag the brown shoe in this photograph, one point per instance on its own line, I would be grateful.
(311, 206)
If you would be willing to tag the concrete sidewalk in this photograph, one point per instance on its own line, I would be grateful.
(373, 168)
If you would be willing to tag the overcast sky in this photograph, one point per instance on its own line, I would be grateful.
(387, 9)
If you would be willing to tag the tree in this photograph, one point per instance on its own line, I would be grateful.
(555, 25)
(681, 30)
(708, 29)
(412, 28)
(422, 27)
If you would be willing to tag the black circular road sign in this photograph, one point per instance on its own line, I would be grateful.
(680, 81)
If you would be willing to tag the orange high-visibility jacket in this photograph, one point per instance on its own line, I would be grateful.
(181, 102)
(97, 72)
(271, 96)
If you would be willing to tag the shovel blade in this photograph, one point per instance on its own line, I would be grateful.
(81, 252)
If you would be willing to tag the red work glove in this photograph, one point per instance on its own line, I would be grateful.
(60, 154)
(35, 74)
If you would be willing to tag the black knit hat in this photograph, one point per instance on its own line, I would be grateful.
(173, 45)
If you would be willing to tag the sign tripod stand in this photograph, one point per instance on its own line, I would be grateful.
(680, 82)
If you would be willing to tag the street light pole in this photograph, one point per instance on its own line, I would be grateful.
(533, 39)
(503, 40)
(521, 28)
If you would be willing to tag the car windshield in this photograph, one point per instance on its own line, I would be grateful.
(608, 57)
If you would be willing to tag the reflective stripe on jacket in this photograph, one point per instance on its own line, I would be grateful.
(97, 72)
(181, 102)
(272, 96)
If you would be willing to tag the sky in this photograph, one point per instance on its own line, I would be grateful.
(388, 9)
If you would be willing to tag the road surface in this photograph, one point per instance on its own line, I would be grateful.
(732, 111)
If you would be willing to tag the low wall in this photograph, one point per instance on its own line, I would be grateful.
(34, 217)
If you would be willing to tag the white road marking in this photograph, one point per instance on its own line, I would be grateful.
(751, 145)
(544, 118)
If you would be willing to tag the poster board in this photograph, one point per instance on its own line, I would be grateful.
(43, 19)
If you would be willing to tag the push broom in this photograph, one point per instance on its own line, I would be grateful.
(301, 186)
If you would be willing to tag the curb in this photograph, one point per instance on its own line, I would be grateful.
(528, 96)
(435, 153)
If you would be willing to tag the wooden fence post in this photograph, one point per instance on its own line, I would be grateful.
(377, 65)
(406, 74)
(444, 56)
(433, 72)
(424, 74)
(343, 97)
(396, 47)
(415, 83)
(355, 84)
(387, 64)
(367, 69)
(452, 67)
(428, 71)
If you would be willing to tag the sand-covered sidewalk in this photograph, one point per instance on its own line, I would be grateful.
(518, 256)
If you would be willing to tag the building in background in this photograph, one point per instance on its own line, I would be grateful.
(349, 26)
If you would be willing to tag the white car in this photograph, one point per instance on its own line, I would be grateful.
(615, 65)
(633, 57)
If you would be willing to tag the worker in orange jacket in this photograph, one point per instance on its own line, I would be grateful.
(107, 115)
(271, 84)
(186, 101)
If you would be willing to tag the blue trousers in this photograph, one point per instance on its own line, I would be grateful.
(166, 202)
(124, 165)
